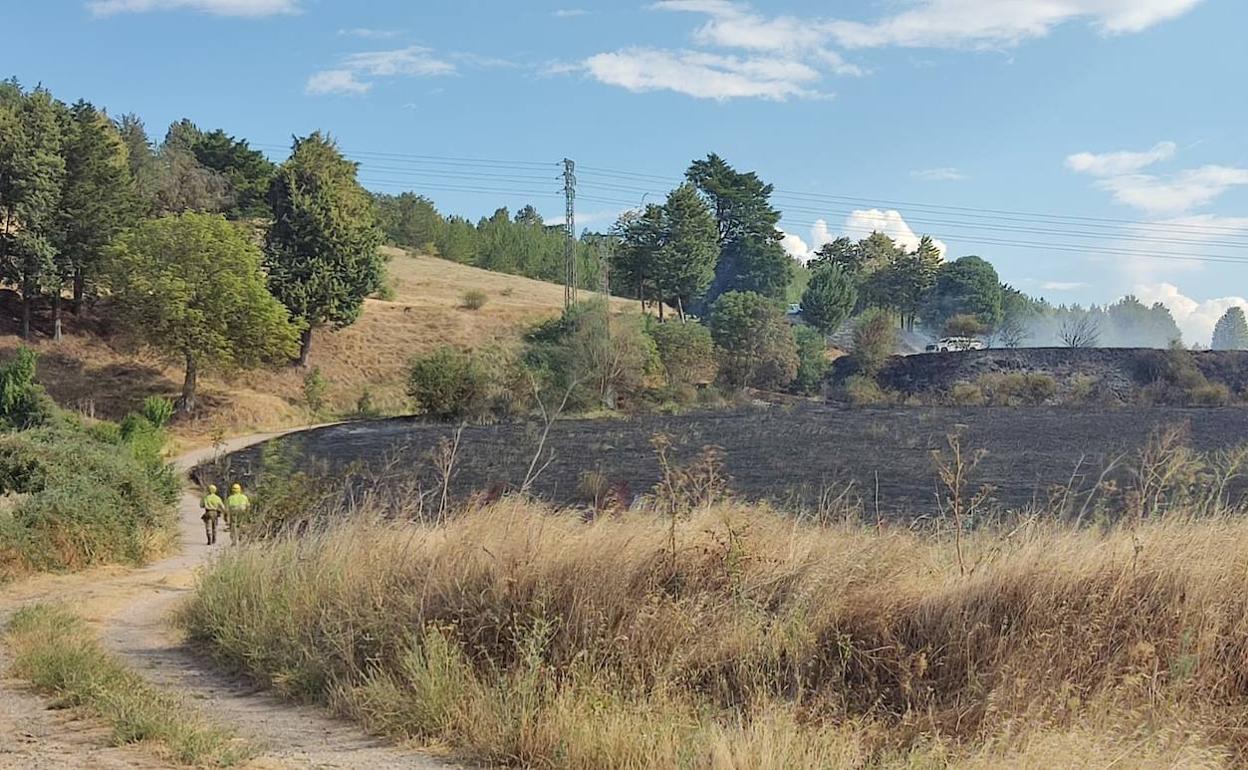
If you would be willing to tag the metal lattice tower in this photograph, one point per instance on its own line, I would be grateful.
(569, 246)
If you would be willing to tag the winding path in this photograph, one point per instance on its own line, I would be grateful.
(130, 608)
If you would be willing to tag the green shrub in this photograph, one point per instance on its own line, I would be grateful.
(365, 408)
(473, 299)
(448, 384)
(686, 352)
(83, 502)
(755, 341)
(22, 401)
(812, 359)
(876, 337)
(861, 390)
(314, 389)
(595, 361)
(157, 410)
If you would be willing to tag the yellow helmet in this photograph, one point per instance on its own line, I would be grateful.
(236, 489)
(212, 489)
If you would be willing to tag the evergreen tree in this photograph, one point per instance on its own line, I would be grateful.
(97, 201)
(751, 258)
(829, 298)
(247, 173)
(141, 158)
(32, 170)
(969, 286)
(183, 183)
(685, 263)
(1231, 331)
(321, 250)
(191, 286)
(633, 265)
(842, 252)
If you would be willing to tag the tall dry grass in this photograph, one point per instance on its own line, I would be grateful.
(514, 633)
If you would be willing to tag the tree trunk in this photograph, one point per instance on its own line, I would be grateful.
(188, 401)
(305, 347)
(56, 315)
(79, 291)
(26, 314)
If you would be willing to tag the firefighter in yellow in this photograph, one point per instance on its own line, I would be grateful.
(213, 508)
(236, 507)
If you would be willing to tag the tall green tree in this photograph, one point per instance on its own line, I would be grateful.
(966, 286)
(844, 253)
(97, 202)
(142, 160)
(829, 298)
(183, 183)
(411, 221)
(191, 286)
(32, 170)
(685, 263)
(907, 278)
(633, 261)
(321, 250)
(1231, 331)
(751, 258)
(247, 173)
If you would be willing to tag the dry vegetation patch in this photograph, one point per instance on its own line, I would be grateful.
(736, 637)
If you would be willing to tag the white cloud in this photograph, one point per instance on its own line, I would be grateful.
(348, 77)
(336, 82)
(245, 8)
(795, 247)
(946, 174)
(1062, 285)
(568, 13)
(1175, 193)
(999, 23)
(704, 75)
(862, 223)
(371, 34)
(1121, 162)
(1195, 318)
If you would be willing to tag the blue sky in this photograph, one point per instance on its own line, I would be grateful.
(1102, 133)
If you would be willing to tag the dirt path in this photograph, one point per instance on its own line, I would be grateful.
(130, 609)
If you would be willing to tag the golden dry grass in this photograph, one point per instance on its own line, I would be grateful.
(86, 372)
(519, 634)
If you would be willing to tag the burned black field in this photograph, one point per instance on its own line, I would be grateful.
(787, 455)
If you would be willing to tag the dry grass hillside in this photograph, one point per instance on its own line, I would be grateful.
(93, 372)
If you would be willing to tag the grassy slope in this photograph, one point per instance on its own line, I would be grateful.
(89, 373)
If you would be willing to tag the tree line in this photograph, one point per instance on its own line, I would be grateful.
(202, 247)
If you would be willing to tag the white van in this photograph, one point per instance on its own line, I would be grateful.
(947, 344)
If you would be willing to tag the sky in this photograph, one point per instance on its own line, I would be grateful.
(1088, 148)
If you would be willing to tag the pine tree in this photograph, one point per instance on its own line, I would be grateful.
(97, 202)
(321, 250)
(31, 174)
(829, 298)
(685, 263)
(1231, 331)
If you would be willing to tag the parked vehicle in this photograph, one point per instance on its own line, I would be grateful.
(947, 344)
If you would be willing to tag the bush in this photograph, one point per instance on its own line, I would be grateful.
(365, 408)
(963, 325)
(756, 343)
(83, 502)
(157, 410)
(875, 339)
(1015, 388)
(812, 359)
(314, 389)
(686, 352)
(595, 362)
(861, 390)
(967, 394)
(1209, 394)
(448, 384)
(22, 401)
(473, 299)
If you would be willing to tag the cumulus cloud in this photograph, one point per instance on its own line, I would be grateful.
(861, 223)
(1195, 318)
(704, 75)
(795, 247)
(356, 73)
(1121, 162)
(245, 8)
